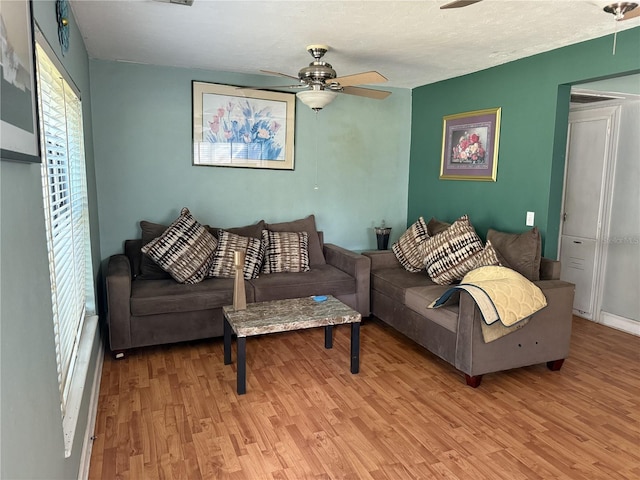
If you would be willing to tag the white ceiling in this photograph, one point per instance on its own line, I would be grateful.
(412, 43)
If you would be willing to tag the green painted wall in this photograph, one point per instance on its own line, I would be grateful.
(534, 96)
(31, 440)
(142, 128)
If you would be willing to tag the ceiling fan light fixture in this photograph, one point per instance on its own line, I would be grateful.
(316, 99)
(618, 9)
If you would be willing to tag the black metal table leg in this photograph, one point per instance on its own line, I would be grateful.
(355, 347)
(328, 336)
(242, 365)
(227, 342)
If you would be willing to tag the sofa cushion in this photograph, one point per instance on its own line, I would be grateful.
(151, 297)
(224, 256)
(285, 252)
(320, 280)
(407, 248)
(149, 269)
(253, 231)
(393, 281)
(308, 224)
(132, 250)
(184, 249)
(436, 226)
(449, 255)
(518, 251)
(419, 298)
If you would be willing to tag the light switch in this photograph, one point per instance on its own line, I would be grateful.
(530, 219)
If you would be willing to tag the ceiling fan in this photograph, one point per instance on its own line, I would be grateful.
(621, 10)
(459, 4)
(321, 83)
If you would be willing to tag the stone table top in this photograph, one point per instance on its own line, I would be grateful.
(286, 315)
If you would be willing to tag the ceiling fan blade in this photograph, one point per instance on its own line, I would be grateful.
(631, 14)
(459, 4)
(364, 78)
(279, 74)
(366, 92)
(271, 87)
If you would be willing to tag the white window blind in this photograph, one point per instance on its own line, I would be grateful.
(66, 214)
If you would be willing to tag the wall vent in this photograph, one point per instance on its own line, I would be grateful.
(590, 98)
(187, 3)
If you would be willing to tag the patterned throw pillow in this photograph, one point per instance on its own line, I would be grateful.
(407, 248)
(184, 249)
(453, 253)
(286, 251)
(308, 224)
(487, 257)
(223, 258)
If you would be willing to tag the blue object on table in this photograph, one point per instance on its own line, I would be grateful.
(319, 298)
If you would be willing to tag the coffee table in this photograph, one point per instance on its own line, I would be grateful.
(286, 315)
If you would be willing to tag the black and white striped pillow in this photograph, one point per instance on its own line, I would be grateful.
(450, 255)
(184, 249)
(286, 251)
(407, 249)
(223, 259)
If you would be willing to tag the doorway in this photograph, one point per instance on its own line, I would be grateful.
(599, 240)
(588, 181)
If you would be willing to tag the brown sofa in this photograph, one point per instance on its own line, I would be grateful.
(155, 309)
(453, 333)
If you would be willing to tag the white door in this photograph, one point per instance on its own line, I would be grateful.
(588, 147)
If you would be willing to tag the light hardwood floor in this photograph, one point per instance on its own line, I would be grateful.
(172, 412)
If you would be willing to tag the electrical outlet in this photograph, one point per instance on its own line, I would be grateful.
(530, 219)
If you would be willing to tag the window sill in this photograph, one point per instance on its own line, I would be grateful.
(78, 382)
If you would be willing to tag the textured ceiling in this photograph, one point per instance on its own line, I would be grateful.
(412, 43)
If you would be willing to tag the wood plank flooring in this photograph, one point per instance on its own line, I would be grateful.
(172, 412)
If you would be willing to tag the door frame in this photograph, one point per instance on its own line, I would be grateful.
(611, 111)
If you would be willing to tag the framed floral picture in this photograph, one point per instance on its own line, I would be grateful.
(470, 145)
(240, 127)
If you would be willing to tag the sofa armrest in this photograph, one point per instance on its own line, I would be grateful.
(545, 338)
(118, 284)
(382, 259)
(356, 265)
(549, 269)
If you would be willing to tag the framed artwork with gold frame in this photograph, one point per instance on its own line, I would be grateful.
(470, 145)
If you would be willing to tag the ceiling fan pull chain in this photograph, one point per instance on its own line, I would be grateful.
(316, 187)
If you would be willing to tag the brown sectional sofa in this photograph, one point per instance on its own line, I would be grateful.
(453, 333)
(154, 309)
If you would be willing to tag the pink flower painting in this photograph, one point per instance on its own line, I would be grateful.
(468, 149)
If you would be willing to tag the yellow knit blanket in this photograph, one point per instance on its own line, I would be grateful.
(505, 298)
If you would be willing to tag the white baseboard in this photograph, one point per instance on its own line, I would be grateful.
(87, 446)
(583, 314)
(620, 323)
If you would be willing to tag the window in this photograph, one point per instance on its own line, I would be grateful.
(67, 226)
